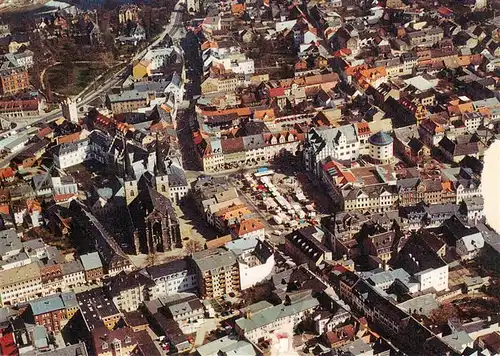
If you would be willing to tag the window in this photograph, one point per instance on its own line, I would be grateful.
(104, 346)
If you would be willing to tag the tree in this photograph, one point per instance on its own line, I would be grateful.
(193, 246)
(152, 259)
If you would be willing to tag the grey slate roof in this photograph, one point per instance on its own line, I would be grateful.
(213, 259)
(91, 261)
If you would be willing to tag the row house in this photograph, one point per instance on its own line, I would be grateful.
(379, 198)
(414, 190)
(20, 284)
(53, 310)
(231, 153)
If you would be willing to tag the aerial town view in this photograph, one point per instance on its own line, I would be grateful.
(249, 177)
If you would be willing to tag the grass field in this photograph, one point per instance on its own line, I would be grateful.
(71, 80)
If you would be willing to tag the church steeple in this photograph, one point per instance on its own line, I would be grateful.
(129, 180)
(160, 169)
(128, 171)
(161, 176)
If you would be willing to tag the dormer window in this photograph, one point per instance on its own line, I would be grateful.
(128, 340)
(104, 346)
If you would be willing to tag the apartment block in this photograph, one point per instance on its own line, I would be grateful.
(217, 272)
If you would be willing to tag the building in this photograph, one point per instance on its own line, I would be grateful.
(128, 290)
(305, 246)
(259, 324)
(255, 260)
(129, 12)
(185, 309)
(381, 147)
(73, 153)
(424, 264)
(217, 272)
(52, 310)
(172, 278)
(13, 81)
(340, 143)
(73, 274)
(92, 267)
(226, 346)
(97, 309)
(20, 284)
(69, 110)
(426, 37)
(107, 342)
(127, 101)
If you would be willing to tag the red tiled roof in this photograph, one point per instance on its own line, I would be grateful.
(274, 92)
(8, 346)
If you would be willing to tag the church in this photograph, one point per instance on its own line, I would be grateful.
(150, 213)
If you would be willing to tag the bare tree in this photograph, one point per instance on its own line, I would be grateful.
(193, 246)
(152, 259)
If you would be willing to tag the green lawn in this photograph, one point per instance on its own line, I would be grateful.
(72, 79)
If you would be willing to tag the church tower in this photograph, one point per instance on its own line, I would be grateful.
(129, 179)
(161, 176)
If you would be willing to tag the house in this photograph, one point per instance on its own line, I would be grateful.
(92, 266)
(257, 325)
(20, 284)
(128, 290)
(185, 309)
(171, 278)
(142, 69)
(467, 240)
(73, 274)
(226, 346)
(97, 309)
(248, 228)
(424, 264)
(305, 245)
(455, 152)
(112, 342)
(52, 310)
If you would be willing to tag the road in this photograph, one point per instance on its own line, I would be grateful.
(172, 29)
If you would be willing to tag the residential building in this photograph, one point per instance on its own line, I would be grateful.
(226, 346)
(186, 310)
(217, 272)
(257, 325)
(20, 284)
(128, 290)
(424, 264)
(97, 309)
(127, 101)
(121, 341)
(92, 266)
(305, 245)
(426, 37)
(51, 311)
(255, 260)
(13, 81)
(172, 278)
(73, 274)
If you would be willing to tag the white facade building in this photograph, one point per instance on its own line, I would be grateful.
(171, 278)
(381, 147)
(255, 260)
(340, 143)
